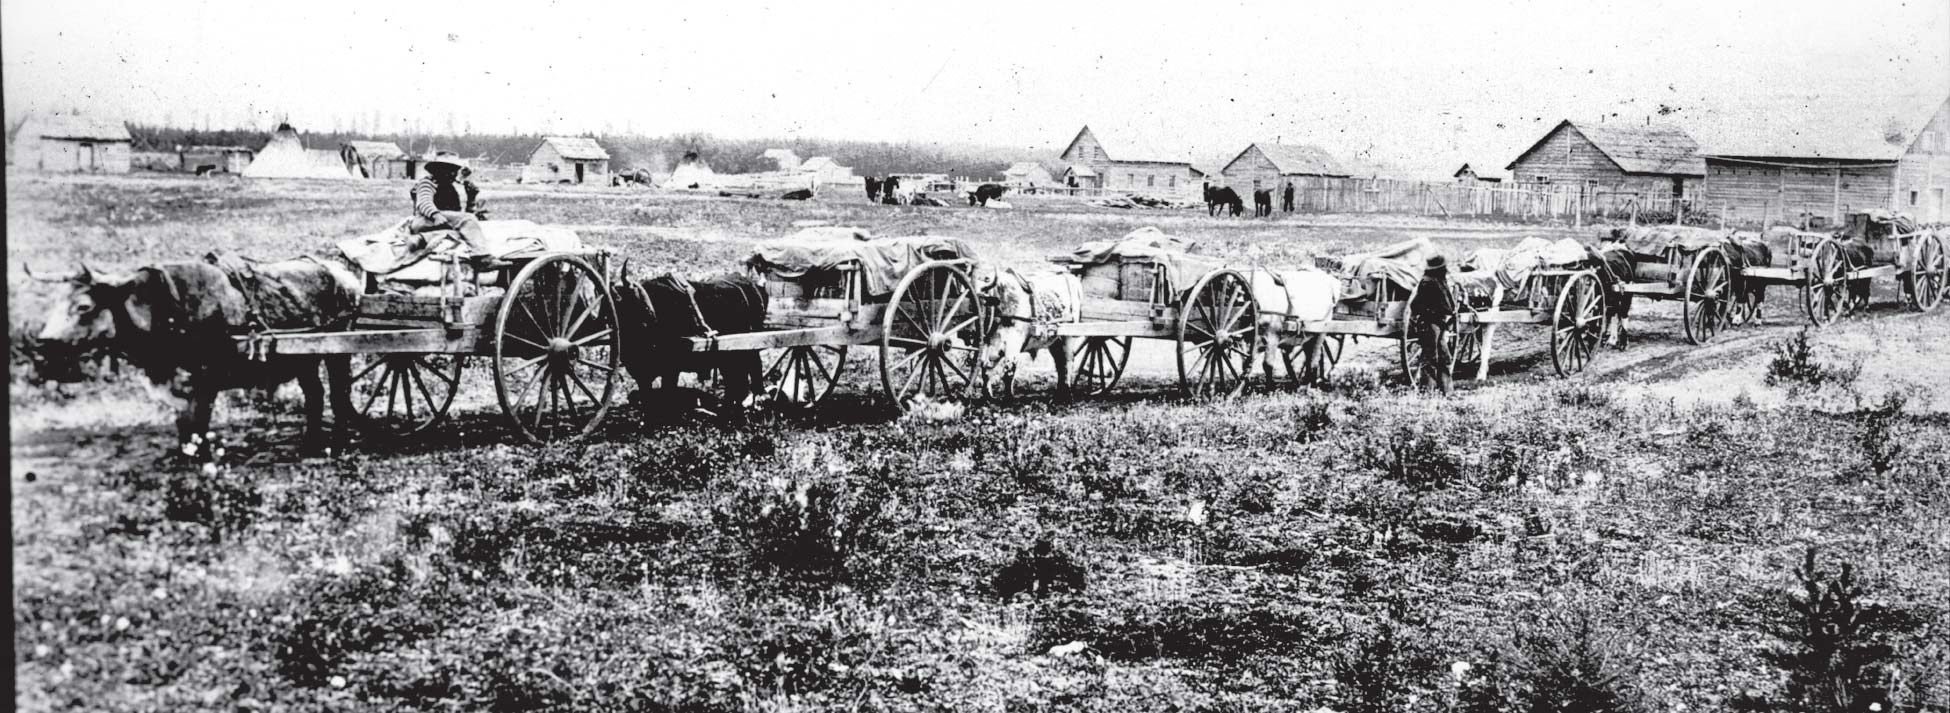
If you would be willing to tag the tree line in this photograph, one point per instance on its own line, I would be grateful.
(656, 154)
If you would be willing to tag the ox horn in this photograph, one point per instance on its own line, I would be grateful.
(81, 276)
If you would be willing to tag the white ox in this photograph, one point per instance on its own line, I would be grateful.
(1307, 295)
(1027, 309)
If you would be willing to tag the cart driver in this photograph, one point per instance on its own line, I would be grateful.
(445, 199)
(1432, 313)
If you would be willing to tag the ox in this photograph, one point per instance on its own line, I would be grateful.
(1263, 203)
(1307, 295)
(803, 194)
(985, 193)
(1223, 199)
(176, 321)
(896, 192)
(873, 190)
(1026, 309)
(659, 312)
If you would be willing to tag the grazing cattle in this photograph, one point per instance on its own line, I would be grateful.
(896, 192)
(1307, 295)
(1026, 308)
(802, 194)
(985, 193)
(873, 189)
(1224, 200)
(660, 311)
(176, 322)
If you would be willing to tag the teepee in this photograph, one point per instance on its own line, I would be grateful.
(286, 157)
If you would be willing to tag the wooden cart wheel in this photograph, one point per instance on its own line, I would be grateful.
(931, 336)
(1929, 277)
(402, 394)
(1709, 289)
(1099, 364)
(803, 376)
(1577, 323)
(1824, 294)
(1469, 346)
(1747, 299)
(1217, 335)
(1310, 360)
(556, 349)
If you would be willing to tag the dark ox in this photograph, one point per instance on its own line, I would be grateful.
(1223, 200)
(985, 193)
(175, 322)
(660, 312)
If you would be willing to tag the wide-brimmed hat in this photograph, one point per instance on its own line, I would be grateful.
(446, 158)
(1436, 262)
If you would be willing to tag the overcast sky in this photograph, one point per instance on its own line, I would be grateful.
(1423, 86)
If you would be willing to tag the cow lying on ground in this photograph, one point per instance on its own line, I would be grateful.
(658, 312)
(985, 193)
(1026, 307)
(176, 322)
(802, 194)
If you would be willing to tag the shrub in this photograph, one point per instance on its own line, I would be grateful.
(1563, 663)
(1796, 366)
(814, 528)
(1879, 436)
(1416, 455)
(1836, 648)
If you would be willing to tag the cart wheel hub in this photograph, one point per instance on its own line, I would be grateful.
(937, 342)
(560, 345)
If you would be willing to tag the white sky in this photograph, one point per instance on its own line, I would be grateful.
(1424, 86)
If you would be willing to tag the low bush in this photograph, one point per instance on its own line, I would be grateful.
(1796, 366)
(1835, 647)
(820, 528)
(1880, 435)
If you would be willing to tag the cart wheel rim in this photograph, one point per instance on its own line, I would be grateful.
(1577, 324)
(1932, 274)
(931, 336)
(1825, 293)
(801, 377)
(1217, 335)
(1708, 287)
(1100, 365)
(557, 349)
(403, 394)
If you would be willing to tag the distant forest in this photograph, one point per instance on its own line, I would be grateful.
(655, 153)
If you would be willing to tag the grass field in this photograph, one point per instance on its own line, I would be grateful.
(1629, 536)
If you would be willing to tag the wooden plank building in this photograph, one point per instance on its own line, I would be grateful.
(1653, 161)
(1812, 162)
(1088, 165)
(73, 143)
(567, 159)
(1274, 166)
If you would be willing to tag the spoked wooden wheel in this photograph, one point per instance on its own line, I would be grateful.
(1824, 294)
(1577, 324)
(1709, 293)
(1099, 364)
(1469, 347)
(1418, 365)
(931, 336)
(1310, 360)
(1929, 278)
(556, 349)
(402, 394)
(802, 376)
(1217, 335)
(1747, 297)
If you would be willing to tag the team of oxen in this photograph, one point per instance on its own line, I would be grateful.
(893, 190)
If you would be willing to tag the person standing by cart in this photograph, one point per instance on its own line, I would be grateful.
(445, 199)
(1432, 313)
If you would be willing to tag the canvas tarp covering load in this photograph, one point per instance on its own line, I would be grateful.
(303, 293)
(883, 261)
(1114, 268)
(398, 255)
(1651, 241)
(1512, 266)
(1401, 264)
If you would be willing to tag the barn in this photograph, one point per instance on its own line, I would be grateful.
(377, 159)
(825, 171)
(1272, 166)
(1652, 161)
(1468, 176)
(214, 159)
(567, 159)
(1814, 162)
(1088, 165)
(1025, 175)
(72, 143)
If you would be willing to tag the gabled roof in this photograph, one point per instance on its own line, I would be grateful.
(580, 148)
(376, 149)
(75, 126)
(1656, 149)
(1081, 171)
(1134, 152)
(1295, 159)
(1842, 125)
(1460, 171)
(819, 163)
(1021, 168)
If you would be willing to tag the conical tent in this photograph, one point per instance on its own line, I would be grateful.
(285, 156)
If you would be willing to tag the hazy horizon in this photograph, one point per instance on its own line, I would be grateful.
(1419, 88)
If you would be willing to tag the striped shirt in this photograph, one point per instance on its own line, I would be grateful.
(430, 197)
